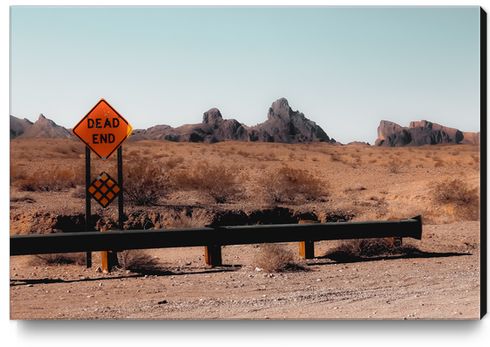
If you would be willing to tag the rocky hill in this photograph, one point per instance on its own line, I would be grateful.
(282, 125)
(43, 128)
(421, 133)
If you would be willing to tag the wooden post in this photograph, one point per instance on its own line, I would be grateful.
(88, 209)
(212, 255)
(306, 248)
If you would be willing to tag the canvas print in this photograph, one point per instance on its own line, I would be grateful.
(271, 163)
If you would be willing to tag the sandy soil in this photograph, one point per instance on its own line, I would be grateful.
(440, 281)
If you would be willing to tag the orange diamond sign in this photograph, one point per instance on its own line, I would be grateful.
(103, 129)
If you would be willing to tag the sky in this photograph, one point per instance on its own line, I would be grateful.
(346, 68)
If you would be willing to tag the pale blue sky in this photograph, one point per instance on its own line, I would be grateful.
(345, 68)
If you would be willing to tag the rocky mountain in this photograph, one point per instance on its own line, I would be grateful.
(18, 126)
(282, 125)
(421, 133)
(43, 128)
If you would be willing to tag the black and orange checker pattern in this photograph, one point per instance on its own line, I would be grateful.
(104, 189)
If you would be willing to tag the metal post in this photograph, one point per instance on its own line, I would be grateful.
(120, 180)
(88, 210)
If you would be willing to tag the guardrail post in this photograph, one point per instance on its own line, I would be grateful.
(306, 248)
(212, 255)
(109, 258)
(395, 241)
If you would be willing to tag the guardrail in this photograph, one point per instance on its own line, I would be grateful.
(212, 238)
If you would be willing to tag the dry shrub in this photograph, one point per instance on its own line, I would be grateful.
(394, 167)
(275, 258)
(439, 163)
(218, 182)
(145, 183)
(173, 162)
(196, 219)
(57, 259)
(136, 260)
(351, 250)
(457, 198)
(335, 157)
(55, 178)
(288, 183)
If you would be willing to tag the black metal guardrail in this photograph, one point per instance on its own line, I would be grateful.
(213, 237)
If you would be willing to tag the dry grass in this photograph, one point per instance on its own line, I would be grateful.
(275, 258)
(56, 178)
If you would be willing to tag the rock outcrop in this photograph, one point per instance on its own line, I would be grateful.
(282, 125)
(421, 133)
(212, 129)
(286, 126)
(43, 128)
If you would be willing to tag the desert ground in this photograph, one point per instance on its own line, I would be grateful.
(174, 185)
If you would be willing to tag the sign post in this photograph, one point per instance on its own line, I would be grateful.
(103, 130)
(88, 207)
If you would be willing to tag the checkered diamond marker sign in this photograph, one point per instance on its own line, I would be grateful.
(104, 189)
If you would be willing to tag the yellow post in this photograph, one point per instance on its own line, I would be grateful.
(394, 241)
(109, 258)
(212, 255)
(306, 248)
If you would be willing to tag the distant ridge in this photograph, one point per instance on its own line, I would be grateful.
(422, 133)
(283, 125)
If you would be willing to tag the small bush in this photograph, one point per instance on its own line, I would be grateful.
(288, 183)
(173, 162)
(351, 250)
(218, 182)
(145, 183)
(136, 260)
(58, 258)
(198, 219)
(458, 198)
(439, 163)
(275, 258)
(394, 167)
